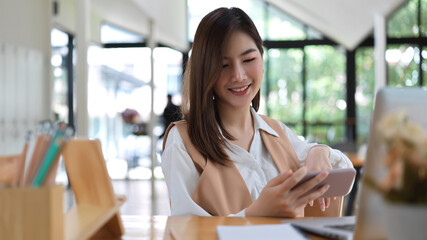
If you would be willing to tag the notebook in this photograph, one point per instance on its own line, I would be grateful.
(263, 231)
(369, 220)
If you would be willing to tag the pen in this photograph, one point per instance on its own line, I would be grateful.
(58, 140)
(19, 180)
(51, 174)
(173, 234)
(44, 136)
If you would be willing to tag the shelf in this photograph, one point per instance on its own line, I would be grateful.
(84, 220)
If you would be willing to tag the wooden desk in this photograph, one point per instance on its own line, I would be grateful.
(186, 228)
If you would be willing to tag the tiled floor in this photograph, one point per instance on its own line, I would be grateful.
(138, 193)
(139, 200)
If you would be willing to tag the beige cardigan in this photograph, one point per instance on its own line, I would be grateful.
(221, 190)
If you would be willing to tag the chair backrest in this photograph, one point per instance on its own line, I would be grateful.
(334, 210)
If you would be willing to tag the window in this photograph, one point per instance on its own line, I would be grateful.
(283, 27)
(326, 94)
(365, 87)
(285, 90)
(403, 65)
(424, 66)
(119, 80)
(404, 22)
(62, 65)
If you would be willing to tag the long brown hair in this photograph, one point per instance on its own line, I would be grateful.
(203, 70)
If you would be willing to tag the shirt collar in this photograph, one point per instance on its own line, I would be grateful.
(260, 124)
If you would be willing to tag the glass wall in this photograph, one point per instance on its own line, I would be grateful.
(285, 93)
(118, 80)
(403, 61)
(119, 101)
(326, 94)
(280, 26)
(61, 78)
(365, 87)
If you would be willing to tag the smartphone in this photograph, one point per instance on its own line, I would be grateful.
(340, 181)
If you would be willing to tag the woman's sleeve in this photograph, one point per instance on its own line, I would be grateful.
(302, 147)
(181, 177)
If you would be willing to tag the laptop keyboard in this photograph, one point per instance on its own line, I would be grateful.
(346, 227)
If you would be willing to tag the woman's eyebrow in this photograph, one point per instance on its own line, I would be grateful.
(244, 53)
(248, 51)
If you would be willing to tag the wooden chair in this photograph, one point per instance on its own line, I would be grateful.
(334, 210)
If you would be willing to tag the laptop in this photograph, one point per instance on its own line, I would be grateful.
(369, 220)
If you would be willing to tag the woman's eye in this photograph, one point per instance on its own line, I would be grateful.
(224, 65)
(249, 60)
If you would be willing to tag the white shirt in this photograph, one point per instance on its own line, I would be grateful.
(256, 166)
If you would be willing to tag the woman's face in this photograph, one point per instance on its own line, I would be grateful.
(242, 71)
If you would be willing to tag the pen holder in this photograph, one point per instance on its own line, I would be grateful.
(32, 213)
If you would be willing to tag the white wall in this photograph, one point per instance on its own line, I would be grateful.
(24, 66)
(123, 13)
(26, 23)
(25, 51)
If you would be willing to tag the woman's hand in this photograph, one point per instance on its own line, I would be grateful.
(318, 159)
(279, 199)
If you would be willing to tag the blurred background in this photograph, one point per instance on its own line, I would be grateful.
(87, 62)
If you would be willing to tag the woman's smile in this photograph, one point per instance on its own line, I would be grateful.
(241, 73)
(239, 91)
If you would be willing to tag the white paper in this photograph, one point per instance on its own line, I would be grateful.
(264, 231)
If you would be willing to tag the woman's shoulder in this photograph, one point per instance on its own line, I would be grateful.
(178, 125)
(173, 134)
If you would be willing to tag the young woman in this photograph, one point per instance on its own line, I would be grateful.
(224, 158)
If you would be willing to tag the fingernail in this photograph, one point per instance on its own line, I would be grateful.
(322, 207)
(325, 174)
(311, 203)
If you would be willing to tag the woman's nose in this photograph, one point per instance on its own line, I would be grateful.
(238, 73)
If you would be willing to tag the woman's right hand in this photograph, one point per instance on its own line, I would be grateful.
(278, 199)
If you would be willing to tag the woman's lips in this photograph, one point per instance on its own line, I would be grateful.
(239, 91)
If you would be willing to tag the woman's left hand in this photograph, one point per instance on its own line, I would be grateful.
(318, 159)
